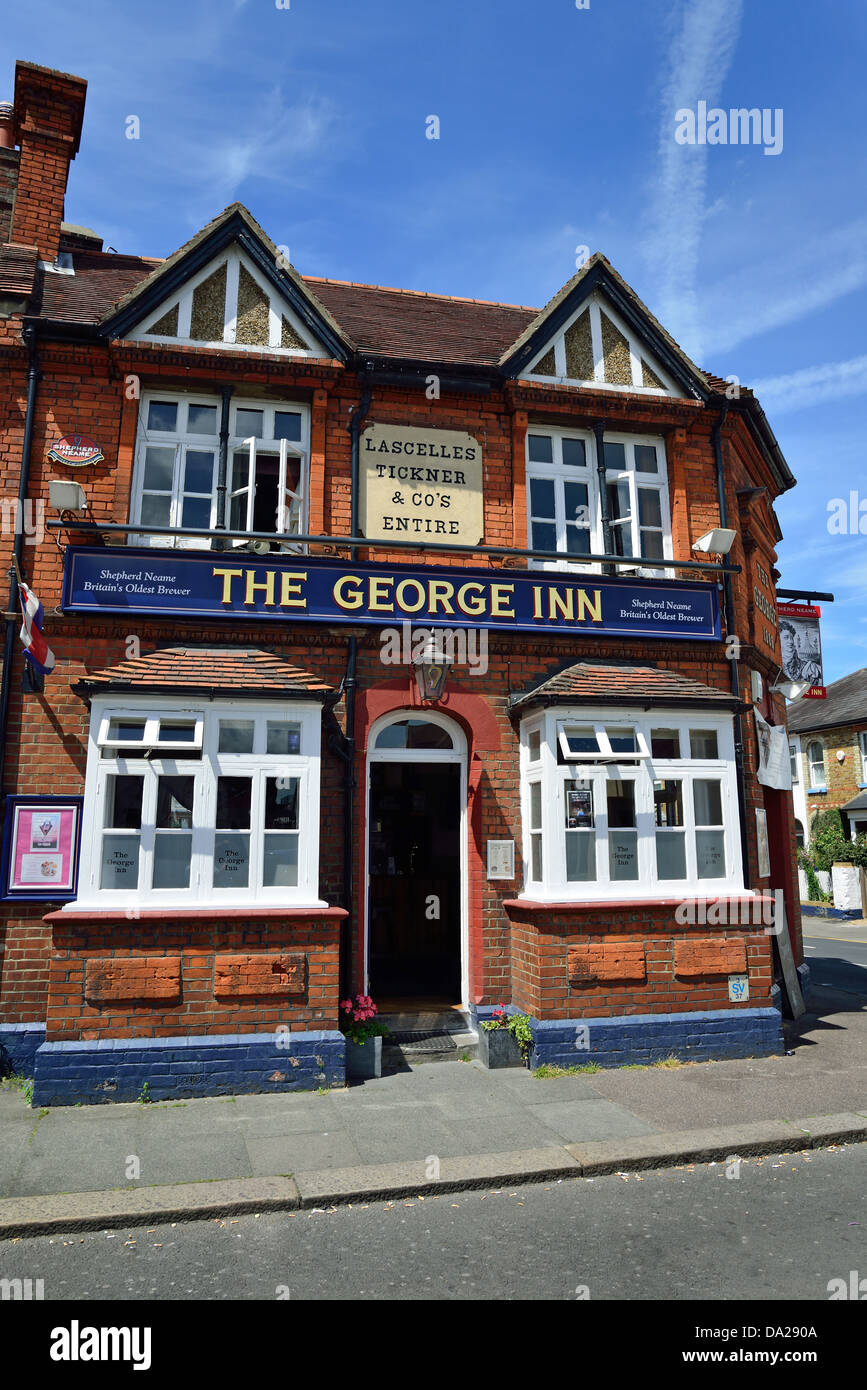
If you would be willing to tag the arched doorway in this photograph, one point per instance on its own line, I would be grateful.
(416, 937)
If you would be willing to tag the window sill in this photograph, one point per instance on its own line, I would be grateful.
(817, 791)
(597, 904)
(76, 912)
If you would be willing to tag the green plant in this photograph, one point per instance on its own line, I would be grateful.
(521, 1030)
(814, 887)
(828, 844)
(519, 1026)
(144, 1096)
(358, 1020)
(22, 1084)
(859, 851)
(547, 1072)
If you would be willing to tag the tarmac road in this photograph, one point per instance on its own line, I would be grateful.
(781, 1230)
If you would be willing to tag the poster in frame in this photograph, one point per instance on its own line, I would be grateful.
(41, 842)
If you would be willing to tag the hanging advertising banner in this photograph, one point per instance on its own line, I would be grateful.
(801, 647)
(775, 768)
(303, 588)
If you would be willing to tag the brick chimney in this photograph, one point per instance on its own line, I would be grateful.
(49, 109)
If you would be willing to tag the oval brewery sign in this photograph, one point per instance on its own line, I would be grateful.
(76, 450)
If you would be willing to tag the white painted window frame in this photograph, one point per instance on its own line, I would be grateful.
(554, 886)
(820, 783)
(596, 305)
(205, 769)
(183, 440)
(233, 259)
(560, 473)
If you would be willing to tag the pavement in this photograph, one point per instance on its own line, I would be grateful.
(442, 1126)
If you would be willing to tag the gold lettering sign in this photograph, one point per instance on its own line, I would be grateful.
(420, 484)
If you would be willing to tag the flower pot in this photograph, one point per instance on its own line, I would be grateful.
(364, 1060)
(497, 1048)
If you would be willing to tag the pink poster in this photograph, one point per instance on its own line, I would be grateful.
(43, 849)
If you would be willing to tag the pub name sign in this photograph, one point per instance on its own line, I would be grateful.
(304, 588)
(416, 482)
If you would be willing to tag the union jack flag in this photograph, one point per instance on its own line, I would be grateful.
(36, 649)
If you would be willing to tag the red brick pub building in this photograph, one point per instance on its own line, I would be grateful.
(244, 791)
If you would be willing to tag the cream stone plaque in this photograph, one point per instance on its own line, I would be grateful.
(420, 484)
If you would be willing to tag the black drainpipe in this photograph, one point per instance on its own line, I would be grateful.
(350, 685)
(33, 375)
(599, 432)
(728, 606)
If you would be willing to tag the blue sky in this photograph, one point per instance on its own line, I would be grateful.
(557, 131)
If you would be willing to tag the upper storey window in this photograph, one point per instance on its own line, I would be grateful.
(564, 504)
(596, 348)
(177, 452)
(229, 304)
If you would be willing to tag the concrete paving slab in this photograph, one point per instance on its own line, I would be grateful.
(293, 1151)
(81, 1167)
(194, 1156)
(95, 1211)
(501, 1133)
(687, 1146)
(381, 1138)
(589, 1119)
(377, 1181)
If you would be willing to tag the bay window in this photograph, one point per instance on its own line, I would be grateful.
(564, 509)
(187, 805)
(175, 479)
(628, 804)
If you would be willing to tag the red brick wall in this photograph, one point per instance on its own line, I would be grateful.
(88, 389)
(156, 979)
(683, 967)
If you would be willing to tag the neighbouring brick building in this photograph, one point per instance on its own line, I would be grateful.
(828, 747)
(278, 800)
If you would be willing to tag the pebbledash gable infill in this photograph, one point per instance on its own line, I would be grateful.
(263, 768)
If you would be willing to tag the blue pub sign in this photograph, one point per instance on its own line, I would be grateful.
(306, 589)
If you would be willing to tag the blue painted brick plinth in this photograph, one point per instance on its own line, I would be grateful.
(19, 1043)
(645, 1038)
(116, 1069)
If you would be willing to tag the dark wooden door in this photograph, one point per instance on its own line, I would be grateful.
(415, 880)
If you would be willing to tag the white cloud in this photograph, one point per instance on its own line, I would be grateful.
(786, 287)
(829, 381)
(700, 57)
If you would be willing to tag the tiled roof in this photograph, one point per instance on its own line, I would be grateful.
(428, 327)
(601, 683)
(17, 269)
(378, 319)
(210, 670)
(846, 703)
(100, 280)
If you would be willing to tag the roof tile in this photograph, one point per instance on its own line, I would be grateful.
(589, 683)
(231, 669)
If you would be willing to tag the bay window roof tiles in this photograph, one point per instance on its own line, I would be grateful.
(604, 684)
(207, 670)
